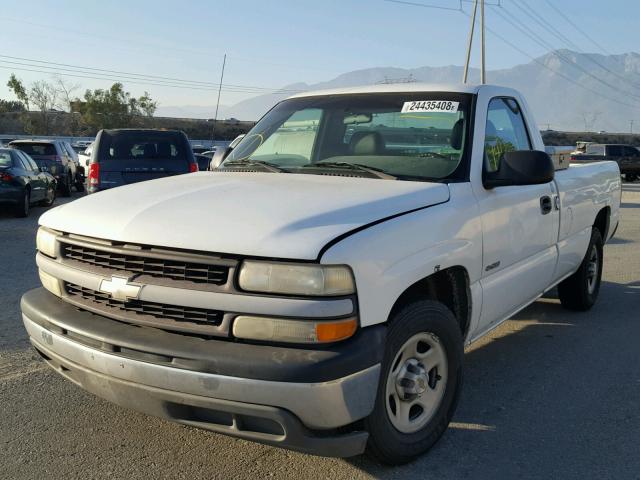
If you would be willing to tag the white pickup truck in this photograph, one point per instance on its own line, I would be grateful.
(317, 291)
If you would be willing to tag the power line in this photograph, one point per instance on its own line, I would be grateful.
(536, 17)
(230, 89)
(535, 60)
(119, 73)
(570, 22)
(518, 24)
(560, 74)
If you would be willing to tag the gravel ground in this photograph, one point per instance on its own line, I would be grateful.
(550, 394)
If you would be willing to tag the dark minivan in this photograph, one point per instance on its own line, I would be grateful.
(124, 156)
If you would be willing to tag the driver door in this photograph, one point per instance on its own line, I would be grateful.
(519, 223)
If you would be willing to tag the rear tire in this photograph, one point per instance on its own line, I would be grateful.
(65, 187)
(24, 204)
(630, 177)
(580, 291)
(420, 383)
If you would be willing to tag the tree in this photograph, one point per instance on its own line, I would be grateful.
(44, 96)
(114, 108)
(11, 106)
(18, 89)
(65, 92)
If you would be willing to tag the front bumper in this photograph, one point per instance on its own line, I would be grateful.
(113, 361)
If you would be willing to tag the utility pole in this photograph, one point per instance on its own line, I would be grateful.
(631, 127)
(215, 118)
(483, 77)
(470, 42)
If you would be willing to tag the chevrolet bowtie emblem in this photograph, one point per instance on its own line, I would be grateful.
(120, 288)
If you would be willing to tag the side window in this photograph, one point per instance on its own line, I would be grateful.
(505, 131)
(595, 150)
(22, 162)
(32, 164)
(630, 152)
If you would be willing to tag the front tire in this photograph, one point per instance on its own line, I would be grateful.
(580, 291)
(420, 383)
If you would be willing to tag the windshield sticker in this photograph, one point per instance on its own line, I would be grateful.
(430, 106)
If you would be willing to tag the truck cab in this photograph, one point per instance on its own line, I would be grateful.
(316, 291)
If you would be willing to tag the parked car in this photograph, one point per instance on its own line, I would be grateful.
(203, 161)
(124, 156)
(79, 184)
(85, 156)
(210, 153)
(626, 156)
(199, 149)
(316, 292)
(51, 156)
(221, 153)
(23, 183)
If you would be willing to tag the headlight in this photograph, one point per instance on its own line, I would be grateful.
(46, 241)
(293, 331)
(296, 279)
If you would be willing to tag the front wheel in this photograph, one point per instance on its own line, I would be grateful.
(420, 382)
(580, 291)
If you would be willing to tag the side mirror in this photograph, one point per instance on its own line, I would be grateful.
(523, 167)
(219, 156)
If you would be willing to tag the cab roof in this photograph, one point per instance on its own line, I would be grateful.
(398, 88)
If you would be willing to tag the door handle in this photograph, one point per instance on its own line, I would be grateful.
(545, 204)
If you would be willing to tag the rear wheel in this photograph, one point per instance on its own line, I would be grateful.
(65, 187)
(79, 183)
(580, 291)
(24, 204)
(420, 383)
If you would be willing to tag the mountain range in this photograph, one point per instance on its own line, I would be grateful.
(567, 90)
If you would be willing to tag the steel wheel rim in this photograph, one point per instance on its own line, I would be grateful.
(592, 270)
(416, 382)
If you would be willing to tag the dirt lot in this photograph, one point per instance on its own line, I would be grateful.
(550, 394)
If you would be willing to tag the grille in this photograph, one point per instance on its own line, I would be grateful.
(180, 314)
(157, 267)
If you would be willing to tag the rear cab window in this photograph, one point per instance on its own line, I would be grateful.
(36, 148)
(128, 147)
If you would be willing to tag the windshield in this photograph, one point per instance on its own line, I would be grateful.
(413, 136)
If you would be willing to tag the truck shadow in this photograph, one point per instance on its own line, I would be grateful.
(532, 392)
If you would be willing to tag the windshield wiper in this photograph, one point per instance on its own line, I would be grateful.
(270, 167)
(376, 172)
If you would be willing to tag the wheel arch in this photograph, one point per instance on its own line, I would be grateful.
(602, 220)
(449, 286)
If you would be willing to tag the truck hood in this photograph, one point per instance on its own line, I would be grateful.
(288, 216)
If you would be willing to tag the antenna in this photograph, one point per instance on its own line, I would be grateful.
(470, 43)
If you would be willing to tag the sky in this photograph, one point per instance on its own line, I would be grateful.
(270, 44)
